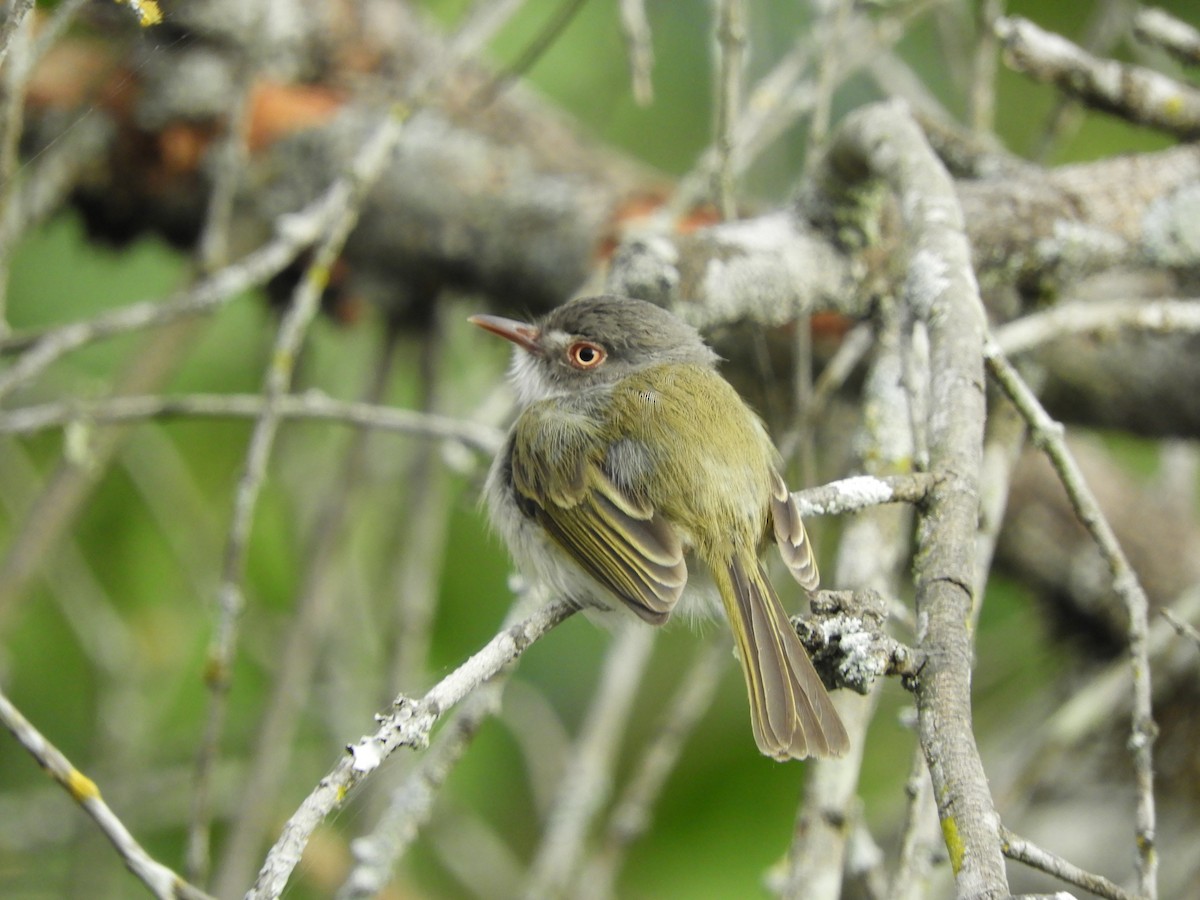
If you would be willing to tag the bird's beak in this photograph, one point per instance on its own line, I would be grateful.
(522, 334)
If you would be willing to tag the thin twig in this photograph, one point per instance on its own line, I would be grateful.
(1159, 27)
(563, 15)
(982, 97)
(731, 51)
(632, 812)
(913, 866)
(1048, 436)
(831, 27)
(14, 78)
(1068, 319)
(53, 27)
(305, 304)
(824, 822)
(635, 27)
(49, 178)
(1182, 628)
(1016, 847)
(300, 652)
(161, 881)
(211, 254)
(783, 95)
(407, 725)
(295, 233)
(422, 534)
(850, 352)
(588, 777)
(309, 405)
(1090, 709)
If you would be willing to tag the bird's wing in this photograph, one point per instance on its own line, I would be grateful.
(794, 545)
(621, 541)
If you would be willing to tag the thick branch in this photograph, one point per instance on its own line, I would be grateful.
(884, 142)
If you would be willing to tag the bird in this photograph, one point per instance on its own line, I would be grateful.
(631, 462)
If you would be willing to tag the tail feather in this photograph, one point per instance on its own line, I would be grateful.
(790, 711)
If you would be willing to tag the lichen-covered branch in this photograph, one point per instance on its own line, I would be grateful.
(884, 143)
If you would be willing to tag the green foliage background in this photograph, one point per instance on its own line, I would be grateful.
(147, 549)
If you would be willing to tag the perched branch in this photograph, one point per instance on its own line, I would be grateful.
(411, 804)
(860, 492)
(407, 725)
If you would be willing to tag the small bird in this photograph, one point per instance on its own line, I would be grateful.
(631, 458)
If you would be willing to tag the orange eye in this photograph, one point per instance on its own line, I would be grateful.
(585, 355)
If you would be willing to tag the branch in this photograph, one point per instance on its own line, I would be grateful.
(295, 233)
(1070, 319)
(632, 811)
(860, 492)
(586, 782)
(883, 142)
(1157, 26)
(1136, 94)
(731, 50)
(635, 28)
(161, 881)
(350, 189)
(411, 804)
(1182, 628)
(407, 725)
(1016, 847)
(1048, 436)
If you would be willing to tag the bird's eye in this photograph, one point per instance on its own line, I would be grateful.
(585, 355)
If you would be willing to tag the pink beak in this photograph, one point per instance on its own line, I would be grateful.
(522, 334)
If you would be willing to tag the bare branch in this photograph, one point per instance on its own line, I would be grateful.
(1131, 92)
(1048, 436)
(941, 291)
(636, 29)
(1153, 316)
(161, 881)
(731, 50)
(309, 405)
(1159, 27)
(632, 812)
(407, 725)
(588, 777)
(1016, 847)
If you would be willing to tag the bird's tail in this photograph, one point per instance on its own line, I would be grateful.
(790, 711)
